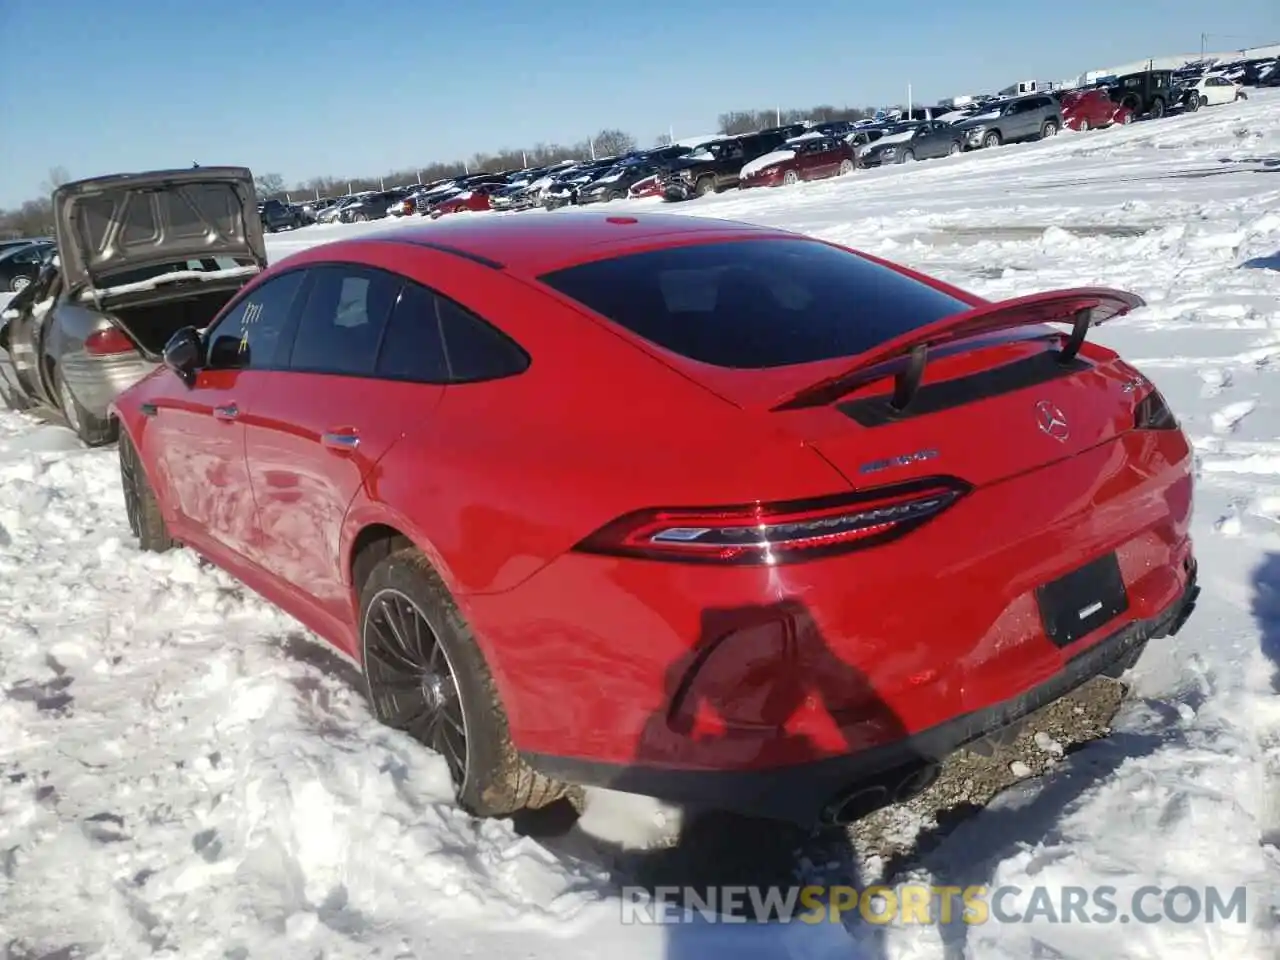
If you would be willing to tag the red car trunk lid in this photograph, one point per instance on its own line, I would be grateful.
(991, 393)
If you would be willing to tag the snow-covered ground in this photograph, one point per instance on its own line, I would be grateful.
(183, 774)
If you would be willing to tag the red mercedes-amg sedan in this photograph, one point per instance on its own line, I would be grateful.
(716, 513)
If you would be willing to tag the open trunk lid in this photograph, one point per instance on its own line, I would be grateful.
(128, 222)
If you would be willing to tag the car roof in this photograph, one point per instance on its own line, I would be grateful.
(530, 245)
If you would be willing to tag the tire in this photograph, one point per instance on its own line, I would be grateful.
(1048, 129)
(358, 218)
(790, 178)
(19, 283)
(493, 781)
(1126, 119)
(145, 519)
(907, 156)
(1194, 104)
(955, 149)
(1241, 95)
(91, 429)
(1157, 108)
(1084, 125)
(992, 139)
(704, 186)
(846, 168)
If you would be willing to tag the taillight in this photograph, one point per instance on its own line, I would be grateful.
(106, 342)
(1153, 413)
(776, 533)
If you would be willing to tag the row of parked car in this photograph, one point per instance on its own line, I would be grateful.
(784, 155)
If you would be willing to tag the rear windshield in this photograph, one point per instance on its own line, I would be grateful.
(755, 303)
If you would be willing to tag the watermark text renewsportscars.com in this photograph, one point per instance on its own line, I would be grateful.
(929, 904)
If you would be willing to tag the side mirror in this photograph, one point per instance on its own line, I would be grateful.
(183, 353)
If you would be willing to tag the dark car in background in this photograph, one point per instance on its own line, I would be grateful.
(372, 206)
(927, 140)
(1148, 93)
(6, 245)
(716, 165)
(20, 264)
(616, 182)
(278, 215)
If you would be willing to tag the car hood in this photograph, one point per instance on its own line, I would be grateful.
(979, 119)
(690, 160)
(137, 220)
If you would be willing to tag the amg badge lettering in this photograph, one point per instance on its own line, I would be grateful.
(919, 456)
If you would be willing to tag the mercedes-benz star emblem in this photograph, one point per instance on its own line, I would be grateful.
(1052, 421)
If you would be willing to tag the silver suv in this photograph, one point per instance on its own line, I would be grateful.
(1009, 121)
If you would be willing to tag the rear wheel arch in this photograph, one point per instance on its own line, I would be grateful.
(375, 536)
(370, 545)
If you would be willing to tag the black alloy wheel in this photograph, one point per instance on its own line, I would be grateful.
(416, 687)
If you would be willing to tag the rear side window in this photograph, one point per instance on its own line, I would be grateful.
(431, 339)
(476, 350)
(412, 348)
(756, 303)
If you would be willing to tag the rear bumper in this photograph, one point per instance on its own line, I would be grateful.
(97, 381)
(804, 793)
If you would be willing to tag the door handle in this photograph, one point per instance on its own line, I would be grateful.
(344, 440)
(228, 412)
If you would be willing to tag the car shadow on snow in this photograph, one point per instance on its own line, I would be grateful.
(1271, 262)
(770, 664)
(969, 841)
(1266, 613)
(1266, 610)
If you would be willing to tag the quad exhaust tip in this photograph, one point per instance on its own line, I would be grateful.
(897, 786)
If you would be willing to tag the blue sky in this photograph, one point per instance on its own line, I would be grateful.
(315, 87)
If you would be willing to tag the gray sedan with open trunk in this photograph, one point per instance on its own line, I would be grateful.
(138, 257)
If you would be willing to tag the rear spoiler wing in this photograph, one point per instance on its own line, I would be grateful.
(905, 356)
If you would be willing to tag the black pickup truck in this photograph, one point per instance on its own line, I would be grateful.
(714, 166)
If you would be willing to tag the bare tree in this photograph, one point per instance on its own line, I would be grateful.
(269, 184)
(613, 143)
(57, 177)
(662, 140)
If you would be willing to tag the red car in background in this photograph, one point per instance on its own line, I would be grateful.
(648, 187)
(1091, 109)
(475, 198)
(807, 157)
(702, 510)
